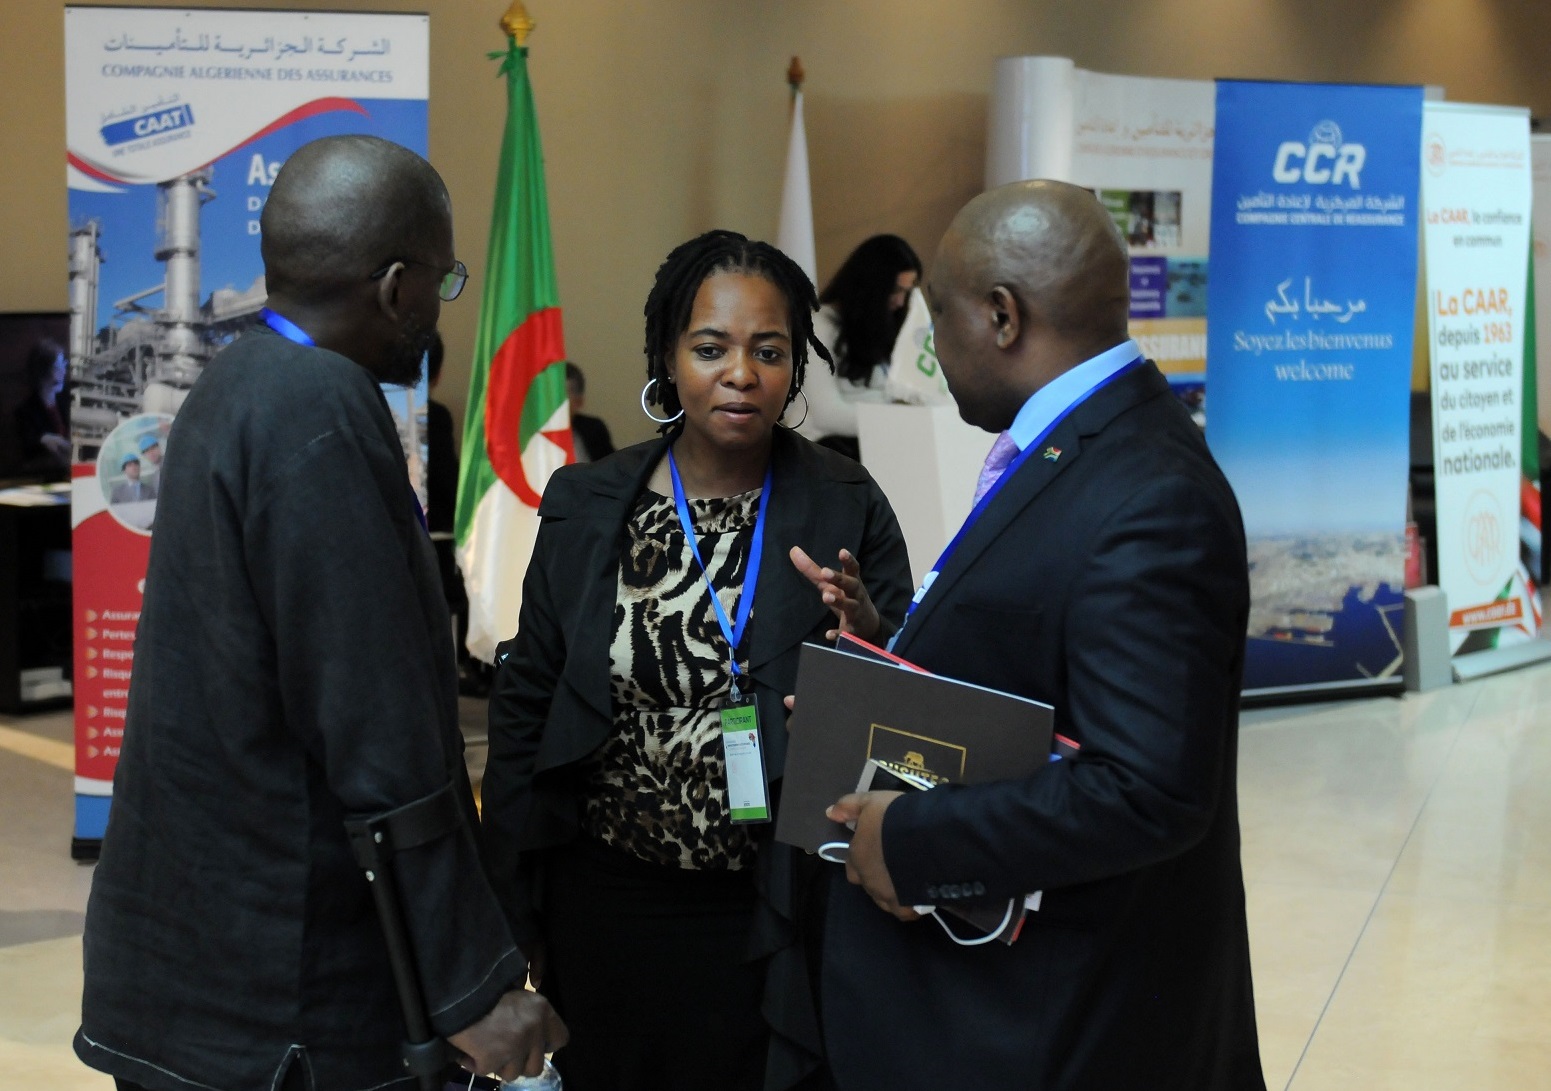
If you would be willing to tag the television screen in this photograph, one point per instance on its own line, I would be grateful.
(34, 395)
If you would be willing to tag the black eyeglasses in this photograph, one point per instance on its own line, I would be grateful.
(452, 281)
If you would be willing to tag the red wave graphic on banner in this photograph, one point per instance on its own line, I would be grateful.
(86, 168)
(301, 113)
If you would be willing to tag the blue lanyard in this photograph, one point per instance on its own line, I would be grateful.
(1002, 479)
(286, 328)
(733, 633)
(292, 332)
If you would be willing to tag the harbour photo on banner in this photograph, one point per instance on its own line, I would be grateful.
(1309, 347)
(177, 122)
(1476, 189)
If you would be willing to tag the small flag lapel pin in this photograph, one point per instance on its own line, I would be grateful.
(1052, 453)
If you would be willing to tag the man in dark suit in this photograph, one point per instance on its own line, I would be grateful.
(1104, 574)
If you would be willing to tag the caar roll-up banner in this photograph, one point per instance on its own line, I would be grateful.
(1476, 187)
(1309, 339)
(1537, 350)
(176, 123)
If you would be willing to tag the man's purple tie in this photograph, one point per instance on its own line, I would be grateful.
(1003, 451)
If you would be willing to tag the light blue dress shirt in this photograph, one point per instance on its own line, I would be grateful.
(1058, 396)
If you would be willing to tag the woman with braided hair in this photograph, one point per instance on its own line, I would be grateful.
(629, 828)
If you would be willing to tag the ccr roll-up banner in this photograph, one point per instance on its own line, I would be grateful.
(1309, 338)
(176, 123)
(1476, 189)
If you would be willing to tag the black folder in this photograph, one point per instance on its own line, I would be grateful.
(850, 709)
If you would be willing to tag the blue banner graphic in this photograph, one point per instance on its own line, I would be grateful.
(1309, 349)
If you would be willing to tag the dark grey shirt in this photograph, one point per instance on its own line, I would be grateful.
(293, 665)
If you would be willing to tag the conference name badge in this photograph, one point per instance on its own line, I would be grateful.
(748, 800)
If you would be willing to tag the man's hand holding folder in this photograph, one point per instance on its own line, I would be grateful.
(865, 866)
(875, 712)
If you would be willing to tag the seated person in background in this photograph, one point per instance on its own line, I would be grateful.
(679, 940)
(42, 420)
(864, 306)
(589, 434)
(132, 488)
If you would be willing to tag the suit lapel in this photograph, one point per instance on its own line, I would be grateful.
(1057, 454)
(807, 509)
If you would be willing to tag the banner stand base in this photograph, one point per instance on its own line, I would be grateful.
(1425, 640)
(85, 849)
(1496, 660)
(1322, 691)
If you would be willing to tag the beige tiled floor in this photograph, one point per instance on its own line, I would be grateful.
(1397, 855)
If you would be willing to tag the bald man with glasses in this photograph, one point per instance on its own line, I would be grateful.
(294, 671)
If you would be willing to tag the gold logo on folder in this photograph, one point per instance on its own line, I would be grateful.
(917, 755)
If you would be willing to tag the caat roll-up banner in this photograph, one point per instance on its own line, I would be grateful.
(1476, 187)
(1309, 342)
(176, 124)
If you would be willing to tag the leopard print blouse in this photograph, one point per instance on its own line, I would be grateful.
(656, 788)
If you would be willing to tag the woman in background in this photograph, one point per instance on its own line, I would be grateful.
(668, 929)
(42, 421)
(864, 307)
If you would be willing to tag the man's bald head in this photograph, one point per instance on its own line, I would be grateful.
(1057, 249)
(344, 205)
(1030, 280)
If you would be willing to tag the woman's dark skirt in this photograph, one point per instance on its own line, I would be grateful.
(650, 969)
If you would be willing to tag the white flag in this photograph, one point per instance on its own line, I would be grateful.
(795, 235)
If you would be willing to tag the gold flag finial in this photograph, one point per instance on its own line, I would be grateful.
(795, 75)
(517, 23)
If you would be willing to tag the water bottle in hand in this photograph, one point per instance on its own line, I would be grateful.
(548, 1080)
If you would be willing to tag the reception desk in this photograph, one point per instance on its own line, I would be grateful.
(926, 460)
(35, 634)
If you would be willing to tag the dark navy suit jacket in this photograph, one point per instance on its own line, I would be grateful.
(1110, 582)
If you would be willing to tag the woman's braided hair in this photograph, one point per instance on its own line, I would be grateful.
(679, 278)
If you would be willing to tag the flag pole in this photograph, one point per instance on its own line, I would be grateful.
(794, 235)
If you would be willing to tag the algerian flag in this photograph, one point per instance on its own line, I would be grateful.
(517, 430)
(795, 235)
